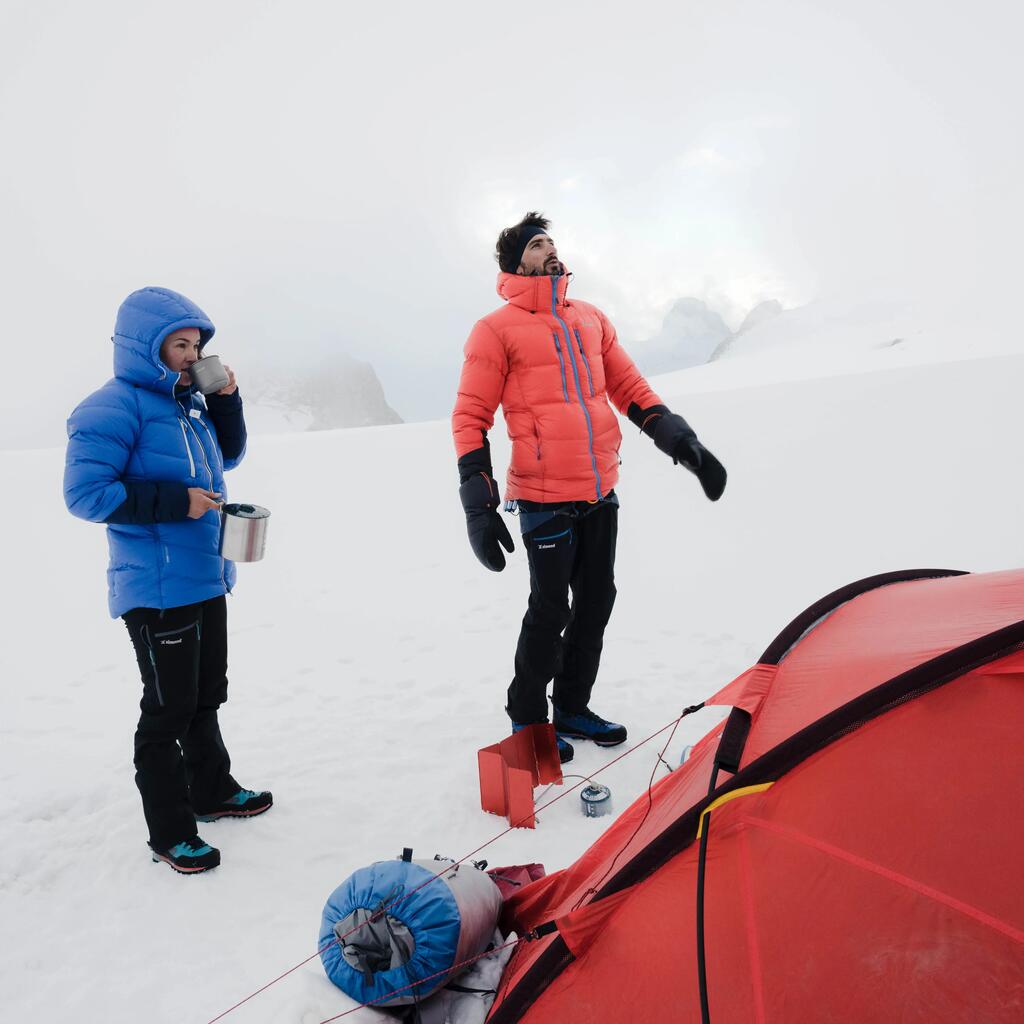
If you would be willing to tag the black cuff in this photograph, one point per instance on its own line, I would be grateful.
(150, 502)
(476, 461)
(647, 419)
(224, 403)
(226, 413)
(670, 432)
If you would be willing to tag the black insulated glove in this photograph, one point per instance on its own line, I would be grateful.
(480, 500)
(677, 439)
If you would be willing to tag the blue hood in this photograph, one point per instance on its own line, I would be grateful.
(145, 318)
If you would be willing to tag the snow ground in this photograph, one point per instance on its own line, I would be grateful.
(370, 653)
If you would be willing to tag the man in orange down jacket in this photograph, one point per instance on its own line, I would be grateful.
(553, 364)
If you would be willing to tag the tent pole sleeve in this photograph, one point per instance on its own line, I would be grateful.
(702, 856)
(734, 739)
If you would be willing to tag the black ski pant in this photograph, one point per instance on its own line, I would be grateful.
(181, 764)
(575, 553)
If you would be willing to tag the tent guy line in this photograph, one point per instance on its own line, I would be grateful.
(879, 720)
(421, 981)
(673, 725)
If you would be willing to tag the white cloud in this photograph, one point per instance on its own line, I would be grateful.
(326, 177)
(704, 156)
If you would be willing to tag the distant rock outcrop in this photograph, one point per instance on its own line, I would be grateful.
(690, 333)
(337, 392)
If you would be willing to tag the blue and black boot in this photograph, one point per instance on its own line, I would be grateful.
(565, 750)
(585, 725)
(188, 857)
(244, 804)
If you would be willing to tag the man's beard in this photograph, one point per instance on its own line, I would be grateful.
(552, 268)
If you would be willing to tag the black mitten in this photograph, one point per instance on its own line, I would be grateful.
(480, 500)
(711, 474)
(486, 530)
(676, 438)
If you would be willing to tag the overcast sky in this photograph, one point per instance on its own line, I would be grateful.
(327, 176)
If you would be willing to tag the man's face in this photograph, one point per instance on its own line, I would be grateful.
(540, 258)
(179, 351)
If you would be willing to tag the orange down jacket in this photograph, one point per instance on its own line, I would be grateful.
(553, 365)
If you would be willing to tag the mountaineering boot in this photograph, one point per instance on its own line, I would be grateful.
(565, 751)
(189, 856)
(244, 804)
(585, 725)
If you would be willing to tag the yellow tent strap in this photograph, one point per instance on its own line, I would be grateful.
(725, 798)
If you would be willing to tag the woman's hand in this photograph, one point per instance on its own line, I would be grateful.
(201, 501)
(232, 386)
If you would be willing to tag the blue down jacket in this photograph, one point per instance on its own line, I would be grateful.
(136, 445)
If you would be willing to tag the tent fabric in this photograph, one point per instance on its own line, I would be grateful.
(874, 879)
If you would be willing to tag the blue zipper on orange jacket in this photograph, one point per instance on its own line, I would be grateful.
(579, 388)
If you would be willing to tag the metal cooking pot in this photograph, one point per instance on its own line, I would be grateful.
(596, 800)
(243, 532)
(208, 374)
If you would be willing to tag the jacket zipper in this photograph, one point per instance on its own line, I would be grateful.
(214, 445)
(152, 661)
(223, 578)
(561, 363)
(203, 450)
(586, 363)
(188, 450)
(579, 388)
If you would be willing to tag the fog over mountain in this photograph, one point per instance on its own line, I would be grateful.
(690, 333)
(761, 313)
(313, 168)
(340, 392)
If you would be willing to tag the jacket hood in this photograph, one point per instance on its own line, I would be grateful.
(145, 318)
(533, 293)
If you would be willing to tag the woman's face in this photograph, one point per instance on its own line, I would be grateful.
(179, 351)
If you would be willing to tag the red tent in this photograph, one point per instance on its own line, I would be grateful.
(846, 846)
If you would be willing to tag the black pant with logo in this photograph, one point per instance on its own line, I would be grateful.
(181, 764)
(573, 552)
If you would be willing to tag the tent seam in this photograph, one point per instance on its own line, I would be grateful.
(855, 860)
(951, 665)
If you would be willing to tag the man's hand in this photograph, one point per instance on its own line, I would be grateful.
(674, 436)
(201, 501)
(232, 386)
(480, 499)
(677, 439)
(486, 531)
(711, 474)
(688, 452)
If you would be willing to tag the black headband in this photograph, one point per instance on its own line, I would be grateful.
(525, 234)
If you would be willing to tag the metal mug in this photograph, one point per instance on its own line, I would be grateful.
(243, 532)
(208, 374)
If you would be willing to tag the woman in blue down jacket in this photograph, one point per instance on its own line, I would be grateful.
(146, 455)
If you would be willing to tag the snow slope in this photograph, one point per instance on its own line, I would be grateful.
(370, 652)
(839, 335)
